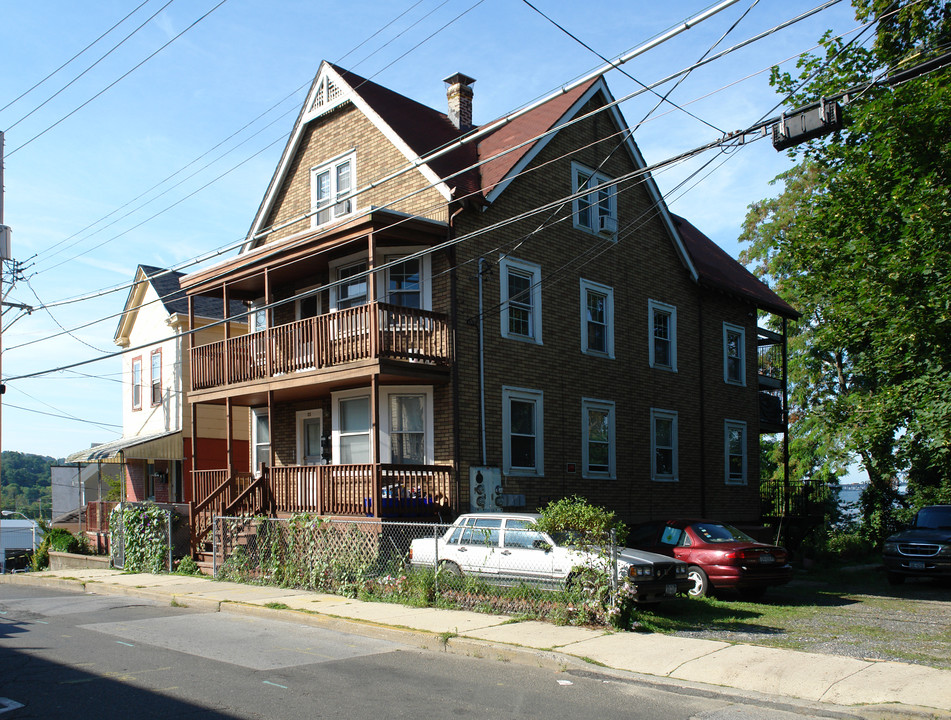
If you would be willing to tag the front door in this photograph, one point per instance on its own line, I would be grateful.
(309, 434)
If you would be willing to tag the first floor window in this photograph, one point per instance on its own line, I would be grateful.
(260, 438)
(664, 445)
(408, 429)
(136, 383)
(521, 300)
(598, 449)
(735, 452)
(734, 365)
(522, 431)
(354, 430)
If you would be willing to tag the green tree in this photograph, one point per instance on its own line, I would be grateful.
(859, 240)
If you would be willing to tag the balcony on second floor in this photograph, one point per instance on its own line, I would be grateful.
(362, 338)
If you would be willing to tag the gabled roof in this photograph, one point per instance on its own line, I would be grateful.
(166, 284)
(718, 271)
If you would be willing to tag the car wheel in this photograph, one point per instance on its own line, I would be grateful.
(700, 582)
(450, 568)
(896, 579)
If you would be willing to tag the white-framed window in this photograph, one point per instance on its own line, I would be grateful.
(352, 290)
(309, 306)
(257, 315)
(521, 300)
(596, 211)
(597, 319)
(260, 438)
(406, 425)
(664, 461)
(598, 456)
(734, 452)
(156, 379)
(662, 335)
(352, 427)
(523, 441)
(329, 185)
(734, 354)
(404, 283)
(137, 383)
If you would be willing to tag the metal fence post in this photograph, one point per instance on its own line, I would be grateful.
(614, 574)
(436, 558)
(169, 516)
(214, 546)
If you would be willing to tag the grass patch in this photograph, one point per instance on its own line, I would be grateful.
(277, 606)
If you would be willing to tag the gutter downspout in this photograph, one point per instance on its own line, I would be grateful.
(481, 365)
(454, 314)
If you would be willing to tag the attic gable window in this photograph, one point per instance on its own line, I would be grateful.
(595, 212)
(326, 96)
(330, 184)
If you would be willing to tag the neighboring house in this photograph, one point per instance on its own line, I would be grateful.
(427, 344)
(156, 444)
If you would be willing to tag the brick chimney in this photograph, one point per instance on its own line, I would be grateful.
(459, 94)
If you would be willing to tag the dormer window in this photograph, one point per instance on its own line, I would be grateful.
(330, 185)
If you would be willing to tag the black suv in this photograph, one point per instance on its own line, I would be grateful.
(923, 549)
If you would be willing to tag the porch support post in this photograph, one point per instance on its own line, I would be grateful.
(371, 298)
(193, 407)
(375, 445)
(269, 313)
(229, 436)
(226, 325)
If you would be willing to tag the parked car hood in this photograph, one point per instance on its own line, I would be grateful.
(640, 557)
(925, 535)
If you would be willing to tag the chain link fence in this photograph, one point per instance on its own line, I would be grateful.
(158, 531)
(515, 570)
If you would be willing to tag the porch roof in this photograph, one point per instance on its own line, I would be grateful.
(160, 446)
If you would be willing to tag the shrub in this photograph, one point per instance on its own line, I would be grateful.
(576, 515)
(187, 566)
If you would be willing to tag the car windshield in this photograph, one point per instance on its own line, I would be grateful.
(720, 533)
(936, 518)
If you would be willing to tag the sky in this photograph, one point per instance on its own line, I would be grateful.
(147, 132)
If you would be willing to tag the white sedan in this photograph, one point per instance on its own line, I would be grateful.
(508, 548)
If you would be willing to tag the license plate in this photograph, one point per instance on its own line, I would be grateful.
(916, 565)
(671, 589)
(766, 559)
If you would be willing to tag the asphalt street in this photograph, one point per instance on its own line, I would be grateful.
(74, 655)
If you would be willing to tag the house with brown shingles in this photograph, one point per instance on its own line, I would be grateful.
(446, 317)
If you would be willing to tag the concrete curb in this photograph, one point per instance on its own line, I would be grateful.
(702, 668)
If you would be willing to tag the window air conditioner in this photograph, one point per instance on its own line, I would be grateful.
(607, 225)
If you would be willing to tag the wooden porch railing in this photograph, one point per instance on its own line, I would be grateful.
(359, 333)
(215, 491)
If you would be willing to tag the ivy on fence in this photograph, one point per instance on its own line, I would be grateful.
(145, 529)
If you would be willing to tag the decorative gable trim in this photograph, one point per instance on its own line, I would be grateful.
(328, 92)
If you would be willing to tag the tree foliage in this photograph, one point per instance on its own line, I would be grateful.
(859, 240)
(26, 482)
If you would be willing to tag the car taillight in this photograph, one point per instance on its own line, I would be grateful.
(742, 554)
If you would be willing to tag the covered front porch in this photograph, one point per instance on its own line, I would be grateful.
(369, 490)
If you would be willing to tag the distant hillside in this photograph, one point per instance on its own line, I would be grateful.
(25, 480)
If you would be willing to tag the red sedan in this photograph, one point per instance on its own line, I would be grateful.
(720, 556)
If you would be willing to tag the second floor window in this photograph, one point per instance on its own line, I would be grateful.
(353, 290)
(734, 363)
(157, 377)
(137, 383)
(521, 300)
(330, 186)
(663, 335)
(597, 319)
(403, 284)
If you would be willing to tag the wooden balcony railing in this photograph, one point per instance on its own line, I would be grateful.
(361, 333)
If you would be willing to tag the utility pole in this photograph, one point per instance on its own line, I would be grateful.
(4, 254)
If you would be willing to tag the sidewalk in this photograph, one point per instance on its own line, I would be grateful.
(787, 673)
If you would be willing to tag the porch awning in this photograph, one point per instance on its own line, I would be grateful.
(162, 446)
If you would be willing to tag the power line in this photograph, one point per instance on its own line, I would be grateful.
(117, 80)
